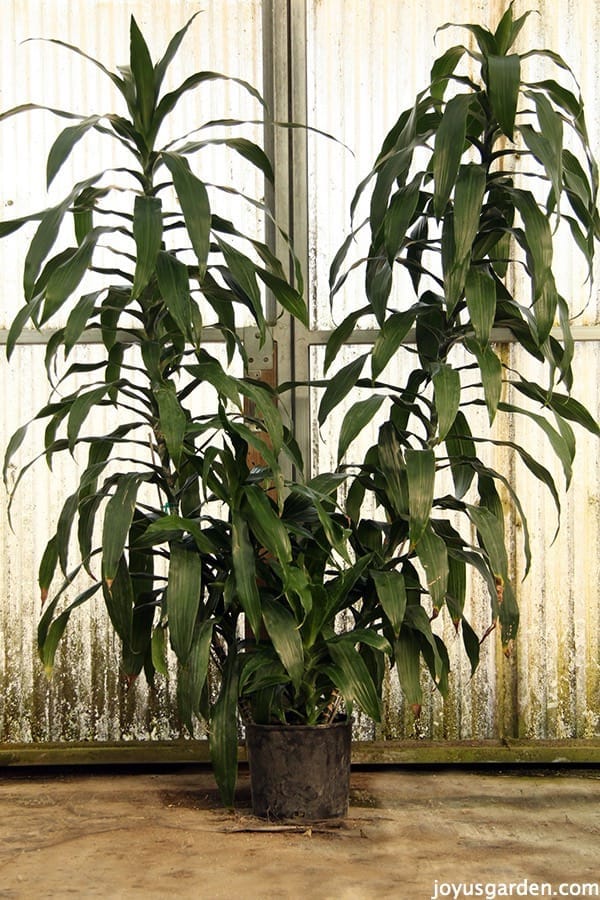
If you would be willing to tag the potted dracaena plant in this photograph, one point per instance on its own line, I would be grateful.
(471, 189)
(165, 265)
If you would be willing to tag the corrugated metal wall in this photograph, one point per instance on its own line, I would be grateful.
(365, 62)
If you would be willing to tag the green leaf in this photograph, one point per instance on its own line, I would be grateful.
(420, 472)
(340, 385)
(546, 145)
(27, 312)
(119, 599)
(47, 567)
(468, 200)
(223, 738)
(545, 310)
(538, 238)
(491, 375)
(173, 527)
(561, 404)
(418, 620)
(561, 446)
(210, 369)
(266, 524)
(461, 229)
(509, 29)
(147, 231)
(286, 295)
(480, 293)
(9, 226)
(64, 143)
(283, 630)
(244, 568)
(390, 339)
(143, 77)
(170, 100)
(457, 587)
(378, 284)
(63, 529)
(353, 678)
(393, 467)
(248, 150)
(117, 522)
(407, 654)
(340, 335)
(192, 676)
(173, 420)
(174, 286)
(491, 531)
(171, 51)
(504, 81)
(50, 632)
(66, 276)
(195, 206)
(356, 420)
(471, 643)
(78, 320)
(159, 651)
(442, 68)
(244, 271)
(399, 217)
(446, 391)
(431, 551)
(79, 411)
(391, 593)
(118, 82)
(449, 147)
(267, 411)
(183, 597)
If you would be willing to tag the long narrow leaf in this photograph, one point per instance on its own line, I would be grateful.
(117, 522)
(449, 146)
(356, 420)
(340, 385)
(183, 597)
(223, 740)
(147, 231)
(354, 679)
(431, 551)
(446, 389)
(504, 79)
(391, 592)
(193, 197)
(283, 630)
(244, 568)
(420, 474)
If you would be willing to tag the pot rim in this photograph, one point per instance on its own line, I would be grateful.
(343, 722)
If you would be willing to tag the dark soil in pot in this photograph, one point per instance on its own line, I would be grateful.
(300, 771)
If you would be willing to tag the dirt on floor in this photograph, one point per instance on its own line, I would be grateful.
(409, 835)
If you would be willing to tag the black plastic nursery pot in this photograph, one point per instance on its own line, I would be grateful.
(300, 771)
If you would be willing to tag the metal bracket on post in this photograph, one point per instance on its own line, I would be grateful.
(259, 353)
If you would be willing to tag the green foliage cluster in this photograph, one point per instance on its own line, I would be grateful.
(470, 185)
(250, 600)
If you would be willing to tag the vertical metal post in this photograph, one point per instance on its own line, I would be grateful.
(284, 87)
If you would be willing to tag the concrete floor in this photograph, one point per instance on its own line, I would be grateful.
(410, 834)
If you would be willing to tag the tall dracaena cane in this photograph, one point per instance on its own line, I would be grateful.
(169, 263)
(468, 191)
